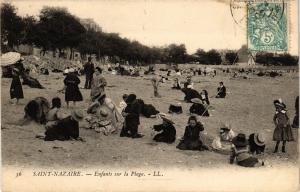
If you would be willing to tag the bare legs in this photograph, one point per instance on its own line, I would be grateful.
(277, 145)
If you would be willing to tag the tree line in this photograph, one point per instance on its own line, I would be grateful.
(56, 30)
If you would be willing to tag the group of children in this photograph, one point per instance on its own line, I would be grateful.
(64, 128)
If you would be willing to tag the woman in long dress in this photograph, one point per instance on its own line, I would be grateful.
(16, 90)
(72, 90)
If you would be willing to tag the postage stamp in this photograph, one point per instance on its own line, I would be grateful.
(267, 27)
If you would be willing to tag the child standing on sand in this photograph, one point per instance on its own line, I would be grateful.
(282, 131)
(155, 83)
(16, 90)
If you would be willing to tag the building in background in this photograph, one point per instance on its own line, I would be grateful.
(90, 24)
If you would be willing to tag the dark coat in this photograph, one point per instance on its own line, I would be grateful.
(221, 92)
(65, 129)
(191, 140)
(133, 117)
(16, 90)
(89, 69)
(199, 109)
(72, 90)
(168, 134)
(190, 94)
(254, 148)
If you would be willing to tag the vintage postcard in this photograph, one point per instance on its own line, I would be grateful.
(150, 95)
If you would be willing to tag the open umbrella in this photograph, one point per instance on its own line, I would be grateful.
(10, 58)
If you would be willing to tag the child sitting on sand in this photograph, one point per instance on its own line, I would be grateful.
(240, 152)
(191, 140)
(168, 131)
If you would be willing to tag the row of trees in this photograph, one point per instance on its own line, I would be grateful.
(276, 59)
(56, 29)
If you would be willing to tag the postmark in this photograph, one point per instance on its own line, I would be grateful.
(267, 26)
(238, 11)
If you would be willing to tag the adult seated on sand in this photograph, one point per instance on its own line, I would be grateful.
(256, 143)
(30, 81)
(222, 143)
(221, 91)
(105, 109)
(198, 108)
(65, 129)
(190, 94)
(240, 152)
(36, 110)
(191, 139)
(167, 131)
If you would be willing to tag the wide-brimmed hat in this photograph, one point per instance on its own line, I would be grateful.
(164, 118)
(77, 115)
(10, 58)
(196, 100)
(259, 139)
(240, 140)
(279, 103)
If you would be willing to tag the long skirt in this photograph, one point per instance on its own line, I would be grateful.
(73, 93)
(196, 145)
(16, 90)
(161, 137)
(283, 133)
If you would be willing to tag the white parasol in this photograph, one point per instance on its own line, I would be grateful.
(10, 58)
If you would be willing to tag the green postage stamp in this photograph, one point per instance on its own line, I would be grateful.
(267, 27)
